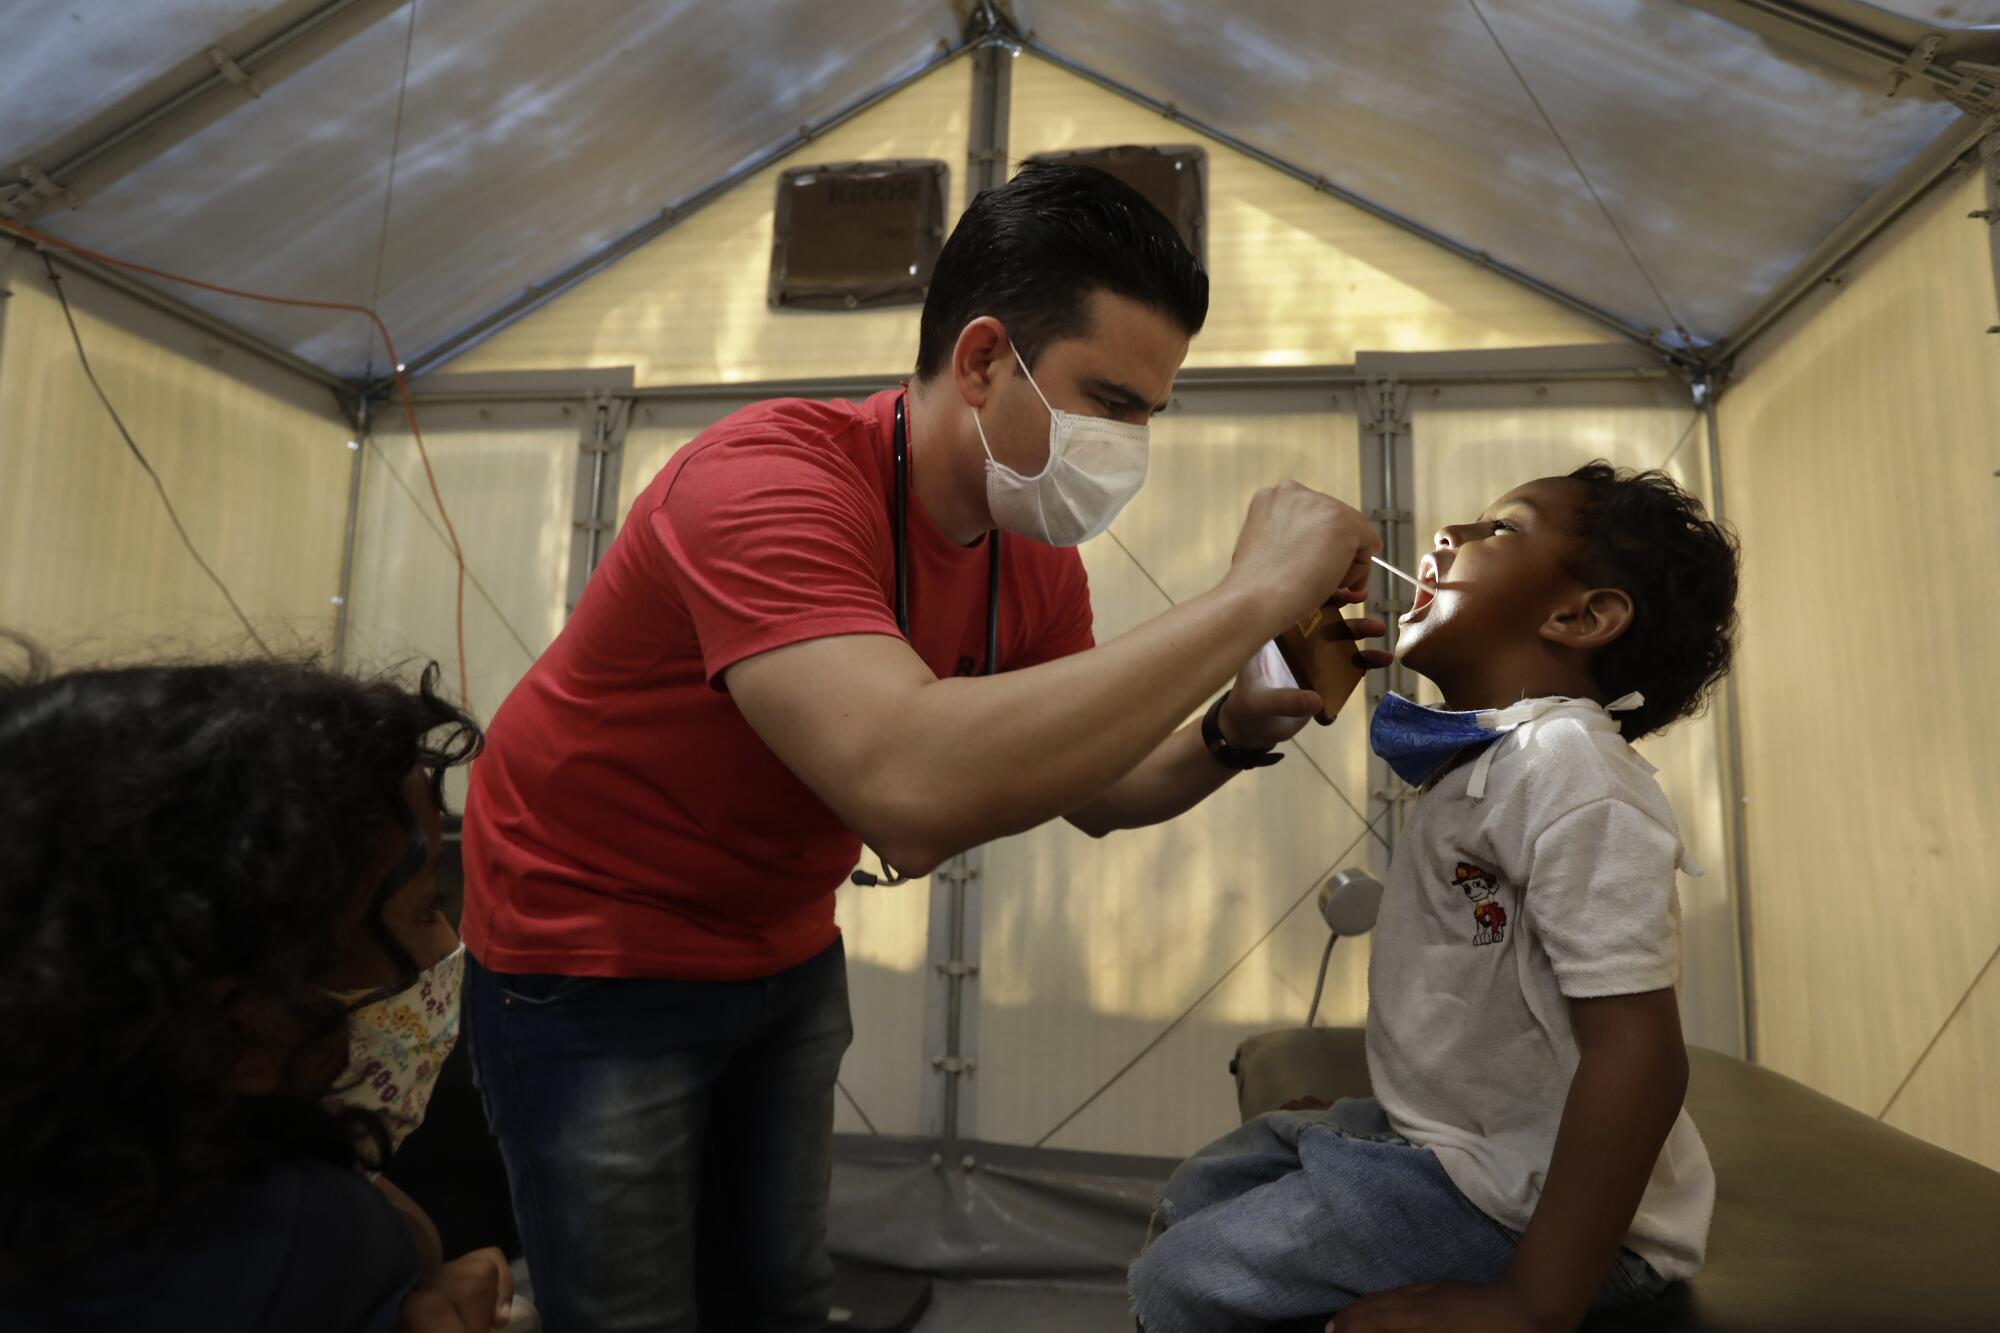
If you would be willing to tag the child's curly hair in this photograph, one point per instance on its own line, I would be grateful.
(1641, 533)
(170, 835)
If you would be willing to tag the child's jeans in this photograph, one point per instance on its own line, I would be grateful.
(1298, 1213)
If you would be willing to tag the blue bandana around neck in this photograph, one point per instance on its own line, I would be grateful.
(1418, 741)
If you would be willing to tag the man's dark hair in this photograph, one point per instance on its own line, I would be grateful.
(1640, 532)
(170, 835)
(1030, 253)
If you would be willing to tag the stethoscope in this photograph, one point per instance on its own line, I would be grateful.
(899, 521)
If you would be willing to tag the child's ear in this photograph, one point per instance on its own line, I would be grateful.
(1590, 621)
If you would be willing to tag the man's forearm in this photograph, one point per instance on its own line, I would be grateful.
(923, 768)
(1178, 775)
(1009, 752)
(1622, 1104)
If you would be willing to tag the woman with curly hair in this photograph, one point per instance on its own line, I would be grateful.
(225, 988)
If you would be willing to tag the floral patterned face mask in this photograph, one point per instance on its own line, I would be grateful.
(397, 1045)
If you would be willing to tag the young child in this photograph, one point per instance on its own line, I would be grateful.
(226, 989)
(1525, 1156)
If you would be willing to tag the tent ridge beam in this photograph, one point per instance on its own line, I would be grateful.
(178, 115)
(1647, 338)
(541, 293)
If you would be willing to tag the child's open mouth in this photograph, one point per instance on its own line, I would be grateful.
(1427, 577)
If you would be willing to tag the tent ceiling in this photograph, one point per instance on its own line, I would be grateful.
(69, 63)
(1654, 158)
(1721, 159)
(532, 134)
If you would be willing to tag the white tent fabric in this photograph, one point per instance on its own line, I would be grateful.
(256, 458)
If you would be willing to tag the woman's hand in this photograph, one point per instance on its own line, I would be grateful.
(472, 1294)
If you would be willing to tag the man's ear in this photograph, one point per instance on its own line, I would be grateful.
(977, 359)
(1591, 620)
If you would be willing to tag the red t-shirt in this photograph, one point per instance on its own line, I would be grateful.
(625, 820)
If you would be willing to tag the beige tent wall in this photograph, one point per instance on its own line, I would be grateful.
(506, 473)
(1473, 445)
(255, 459)
(1859, 450)
(1297, 278)
(1091, 950)
(689, 308)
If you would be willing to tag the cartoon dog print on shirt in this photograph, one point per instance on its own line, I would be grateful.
(1481, 887)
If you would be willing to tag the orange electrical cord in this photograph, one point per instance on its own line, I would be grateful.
(42, 238)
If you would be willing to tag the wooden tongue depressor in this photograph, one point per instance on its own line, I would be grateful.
(1323, 665)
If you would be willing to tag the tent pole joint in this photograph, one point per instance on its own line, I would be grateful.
(990, 23)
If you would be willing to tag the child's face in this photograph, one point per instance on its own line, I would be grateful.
(413, 914)
(1493, 582)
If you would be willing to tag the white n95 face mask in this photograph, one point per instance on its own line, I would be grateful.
(1095, 467)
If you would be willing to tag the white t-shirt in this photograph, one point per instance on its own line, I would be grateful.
(1555, 883)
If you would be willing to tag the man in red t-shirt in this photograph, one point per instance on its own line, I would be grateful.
(784, 656)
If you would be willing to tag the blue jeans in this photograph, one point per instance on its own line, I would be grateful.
(669, 1144)
(1297, 1214)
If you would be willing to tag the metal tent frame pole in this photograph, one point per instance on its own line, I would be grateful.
(1989, 165)
(363, 410)
(1708, 391)
(951, 999)
(599, 464)
(1388, 460)
(1513, 366)
(9, 247)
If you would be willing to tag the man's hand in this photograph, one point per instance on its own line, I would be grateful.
(471, 1294)
(1446, 1307)
(1256, 716)
(1300, 549)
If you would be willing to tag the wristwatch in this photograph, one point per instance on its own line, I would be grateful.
(1232, 756)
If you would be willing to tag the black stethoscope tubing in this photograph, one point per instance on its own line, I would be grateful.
(899, 516)
(901, 531)
(899, 520)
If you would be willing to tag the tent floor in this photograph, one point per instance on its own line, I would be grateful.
(1002, 1307)
(1008, 1307)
